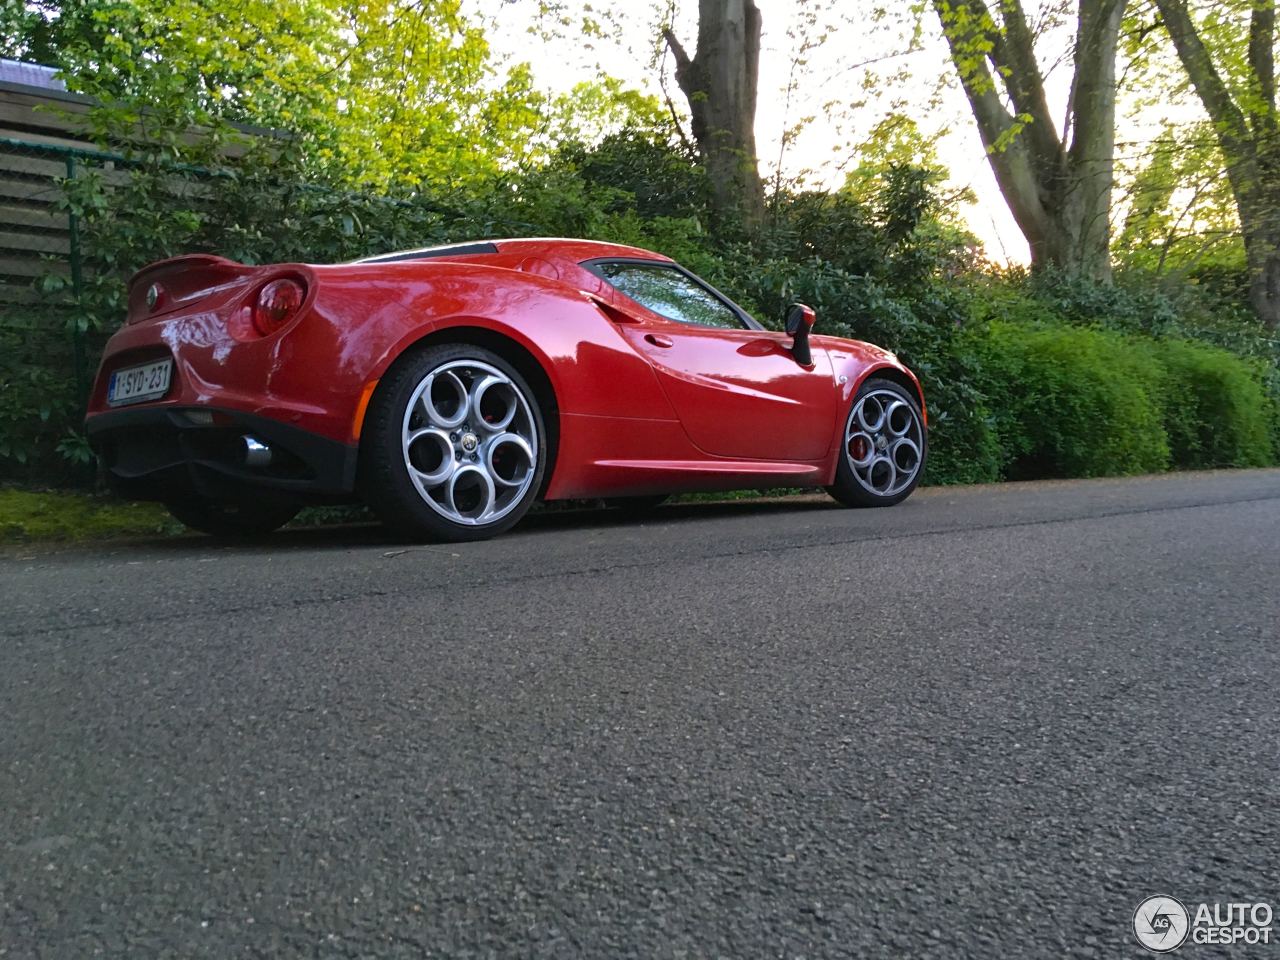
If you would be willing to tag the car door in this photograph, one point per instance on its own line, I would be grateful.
(736, 387)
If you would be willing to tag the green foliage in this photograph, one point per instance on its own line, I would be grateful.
(1182, 222)
(632, 187)
(383, 95)
(638, 170)
(1078, 401)
(1204, 200)
(379, 90)
(37, 392)
(1222, 26)
(899, 234)
(895, 142)
(594, 109)
(1072, 402)
(1216, 412)
(1135, 304)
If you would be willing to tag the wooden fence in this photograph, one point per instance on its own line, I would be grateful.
(44, 142)
(41, 140)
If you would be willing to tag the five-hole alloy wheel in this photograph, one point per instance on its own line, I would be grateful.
(453, 446)
(884, 447)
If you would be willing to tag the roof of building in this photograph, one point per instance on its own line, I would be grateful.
(30, 74)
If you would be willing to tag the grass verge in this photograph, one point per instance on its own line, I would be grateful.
(47, 515)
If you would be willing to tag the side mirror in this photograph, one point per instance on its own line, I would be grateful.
(799, 322)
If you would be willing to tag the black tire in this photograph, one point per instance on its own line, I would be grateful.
(636, 506)
(851, 487)
(232, 520)
(384, 478)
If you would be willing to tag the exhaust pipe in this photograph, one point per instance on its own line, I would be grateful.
(254, 452)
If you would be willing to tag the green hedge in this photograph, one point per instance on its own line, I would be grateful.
(1216, 411)
(1073, 402)
(1077, 402)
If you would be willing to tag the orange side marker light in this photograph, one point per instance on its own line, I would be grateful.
(357, 422)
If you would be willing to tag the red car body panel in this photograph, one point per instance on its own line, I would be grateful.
(643, 404)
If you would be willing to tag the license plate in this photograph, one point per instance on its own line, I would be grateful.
(136, 384)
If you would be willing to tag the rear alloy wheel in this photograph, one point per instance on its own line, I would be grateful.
(884, 447)
(232, 521)
(453, 448)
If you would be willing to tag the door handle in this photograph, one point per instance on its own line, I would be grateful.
(658, 340)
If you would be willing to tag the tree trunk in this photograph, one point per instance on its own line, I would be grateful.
(1248, 132)
(1260, 221)
(1058, 190)
(1091, 156)
(1253, 170)
(1264, 283)
(720, 85)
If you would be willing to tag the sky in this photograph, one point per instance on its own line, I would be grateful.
(830, 88)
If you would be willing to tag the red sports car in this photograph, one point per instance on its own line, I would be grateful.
(451, 387)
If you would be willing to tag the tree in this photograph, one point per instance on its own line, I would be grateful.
(1181, 220)
(1239, 95)
(1058, 185)
(379, 94)
(720, 83)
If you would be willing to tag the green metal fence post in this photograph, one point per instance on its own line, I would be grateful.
(77, 290)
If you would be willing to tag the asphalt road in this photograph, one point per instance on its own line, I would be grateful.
(984, 723)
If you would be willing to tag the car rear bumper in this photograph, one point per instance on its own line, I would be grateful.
(154, 453)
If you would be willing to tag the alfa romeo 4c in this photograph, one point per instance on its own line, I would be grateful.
(450, 388)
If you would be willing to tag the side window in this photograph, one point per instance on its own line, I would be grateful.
(667, 291)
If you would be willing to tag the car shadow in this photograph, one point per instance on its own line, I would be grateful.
(538, 523)
(586, 518)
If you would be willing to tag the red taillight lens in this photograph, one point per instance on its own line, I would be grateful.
(278, 303)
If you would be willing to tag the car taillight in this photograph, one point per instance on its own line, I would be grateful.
(278, 303)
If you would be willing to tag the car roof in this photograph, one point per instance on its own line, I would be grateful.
(576, 250)
(547, 248)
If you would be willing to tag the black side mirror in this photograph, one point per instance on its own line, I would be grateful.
(799, 322)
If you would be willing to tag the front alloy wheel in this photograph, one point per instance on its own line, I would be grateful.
(884, 447)
(454, 449)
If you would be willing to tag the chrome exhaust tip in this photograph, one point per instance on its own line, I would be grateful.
(254, 452)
